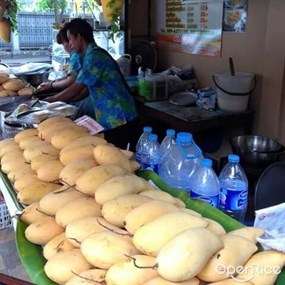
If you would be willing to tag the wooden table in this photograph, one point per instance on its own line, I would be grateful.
(193, 119)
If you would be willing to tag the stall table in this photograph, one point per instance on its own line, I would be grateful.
(193, 119)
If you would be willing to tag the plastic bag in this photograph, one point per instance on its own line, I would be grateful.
(272, 221)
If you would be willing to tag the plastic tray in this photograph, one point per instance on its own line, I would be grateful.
(33, 261)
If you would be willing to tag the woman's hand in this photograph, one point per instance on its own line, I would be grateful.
(45, 86)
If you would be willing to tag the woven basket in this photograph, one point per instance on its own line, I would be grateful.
(5, 219)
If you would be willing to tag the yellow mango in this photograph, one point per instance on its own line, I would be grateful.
(115, 210)
(25, 180)
(109, 155)
(35, 191)
(58, 244)
(55, 200)
(83, 141)
(22, 170)
(11, 165)
(251, 233)
(76, 153)
(12, 156)
(24, 134)
(77, 209)
(89, 181)
(145, 213)
(152, 236)
(27, 141)
(65, 265)
(118, 186)
(92, 277)
(105, 248)
(42, 158)
(159, 195)
(236, 251)
(32, 214)
(161, 281)
(263, 267)
(50, 170)
(186, 254)
(134, 270)
(39, 148)
(215, 227)
(77, 231)
(13, 84)
(74, 169)
(42, 231)
(65, 136)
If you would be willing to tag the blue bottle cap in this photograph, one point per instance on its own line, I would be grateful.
(184, 137)
(170, 132)
(152, 137)
(206, 162)
(147, 129)
(233, 158)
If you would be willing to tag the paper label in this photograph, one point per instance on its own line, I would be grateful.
(90, 124)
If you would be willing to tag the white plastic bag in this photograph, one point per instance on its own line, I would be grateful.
(272, 220)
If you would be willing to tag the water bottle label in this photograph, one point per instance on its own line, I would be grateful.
(233, 200)
(212, 200)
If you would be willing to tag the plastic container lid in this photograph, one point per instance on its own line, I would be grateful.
(147, 129)
(184, 137)
(206, 162)
(152, 138)
(170, 132)
(233, 158)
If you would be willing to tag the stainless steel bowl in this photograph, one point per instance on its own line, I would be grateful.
(256, 151)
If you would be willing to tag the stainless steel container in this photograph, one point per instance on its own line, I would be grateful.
(256, 151)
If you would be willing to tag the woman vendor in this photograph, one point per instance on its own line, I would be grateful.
(73, 67)
(112, 101)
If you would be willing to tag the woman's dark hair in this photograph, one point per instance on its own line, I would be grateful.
(61, 36)
(80, 27)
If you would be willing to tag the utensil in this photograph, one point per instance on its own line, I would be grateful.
(232, 68)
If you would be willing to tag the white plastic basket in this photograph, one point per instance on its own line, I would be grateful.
(5, 219)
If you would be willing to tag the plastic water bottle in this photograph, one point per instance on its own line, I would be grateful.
(234, 189)
(180, 162)
(141, 142)
(167, 143)
(205, 184)
(150, 157)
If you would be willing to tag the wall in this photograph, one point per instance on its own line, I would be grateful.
(259, 50)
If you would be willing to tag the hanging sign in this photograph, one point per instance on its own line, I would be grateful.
(191, 26)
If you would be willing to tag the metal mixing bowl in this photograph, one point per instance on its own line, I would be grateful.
(256, 151)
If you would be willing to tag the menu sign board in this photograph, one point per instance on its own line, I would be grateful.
(192, 26)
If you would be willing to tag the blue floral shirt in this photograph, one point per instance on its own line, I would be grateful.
(75, 62)
(112, 101)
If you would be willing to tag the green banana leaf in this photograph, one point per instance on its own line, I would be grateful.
(31, 256)
(33, 261)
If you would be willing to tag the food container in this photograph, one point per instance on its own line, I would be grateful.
(256, 151)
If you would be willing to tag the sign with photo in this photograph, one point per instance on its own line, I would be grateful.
(235, 14)
(192, 26)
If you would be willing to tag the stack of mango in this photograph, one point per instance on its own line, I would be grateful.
(99, 223)
(12, 86)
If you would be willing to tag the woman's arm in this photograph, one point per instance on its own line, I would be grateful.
(72, 93)
(64, 82)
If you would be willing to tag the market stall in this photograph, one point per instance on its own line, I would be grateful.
(97, 186)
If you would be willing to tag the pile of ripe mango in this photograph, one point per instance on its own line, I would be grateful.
(12, 86)
(99, 223)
